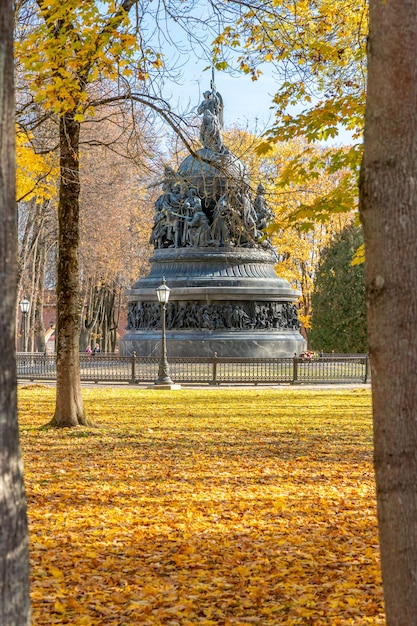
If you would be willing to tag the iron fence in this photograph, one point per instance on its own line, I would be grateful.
(205, 370)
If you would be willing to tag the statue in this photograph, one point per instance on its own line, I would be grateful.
(186, 216)
(221, 221)
(160, 230)
(166, 230)
(249, 216)
(191, 206)
(211, 109)
(169, 198)
(198, 229)
(211, 242)
(264, 215)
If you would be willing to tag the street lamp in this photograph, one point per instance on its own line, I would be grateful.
(53, 334)
(25, 308)
(162, 293)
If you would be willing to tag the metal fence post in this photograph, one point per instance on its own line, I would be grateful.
(366, 368)
(295, 369)
(133, 374)
(214, 370)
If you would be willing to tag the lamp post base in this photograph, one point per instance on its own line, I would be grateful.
(159, 385)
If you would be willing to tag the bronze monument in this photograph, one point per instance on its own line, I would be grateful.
(210, 245)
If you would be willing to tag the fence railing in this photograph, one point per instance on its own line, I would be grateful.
(205, 370)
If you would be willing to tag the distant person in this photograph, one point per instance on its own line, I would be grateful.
(88, 351)
(96, 349)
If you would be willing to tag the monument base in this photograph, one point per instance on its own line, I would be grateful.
(198, 343)
(228, 301)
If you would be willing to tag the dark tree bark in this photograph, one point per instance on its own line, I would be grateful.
(69, 409)
(14, 558)
(38, 235)
(39, 282)
(389, 213)
(100, 318)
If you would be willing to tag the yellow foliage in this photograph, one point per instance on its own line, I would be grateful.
(319, 50)
(359, 256)
(297, 237)
(36, 175)
(74, 43)
(211, 506)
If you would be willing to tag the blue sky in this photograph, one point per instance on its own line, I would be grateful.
(247, 103)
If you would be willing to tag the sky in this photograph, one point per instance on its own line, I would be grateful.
(247, 103)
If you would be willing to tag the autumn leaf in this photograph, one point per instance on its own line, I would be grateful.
(255, 507)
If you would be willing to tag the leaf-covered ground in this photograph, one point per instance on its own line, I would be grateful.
(209, 506)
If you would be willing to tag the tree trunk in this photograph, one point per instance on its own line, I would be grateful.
(14, 557)
(389, 213)
(39, 328)
(69, 409)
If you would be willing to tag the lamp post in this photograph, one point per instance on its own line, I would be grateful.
(53, 334)
(162, 293)
(25, 308)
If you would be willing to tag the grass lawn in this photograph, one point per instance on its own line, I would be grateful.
(209, 507)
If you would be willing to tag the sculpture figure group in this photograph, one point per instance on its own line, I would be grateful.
(184, 219)
(210, 234)
(192, 315)
(180, 220)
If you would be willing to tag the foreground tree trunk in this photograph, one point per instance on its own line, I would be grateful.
(389, 214)
(14, 557)
(69, 409)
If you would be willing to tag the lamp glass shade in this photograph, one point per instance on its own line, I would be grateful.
(162, 292)
(24, 305)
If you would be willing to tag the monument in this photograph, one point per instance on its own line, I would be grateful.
(211, 247)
